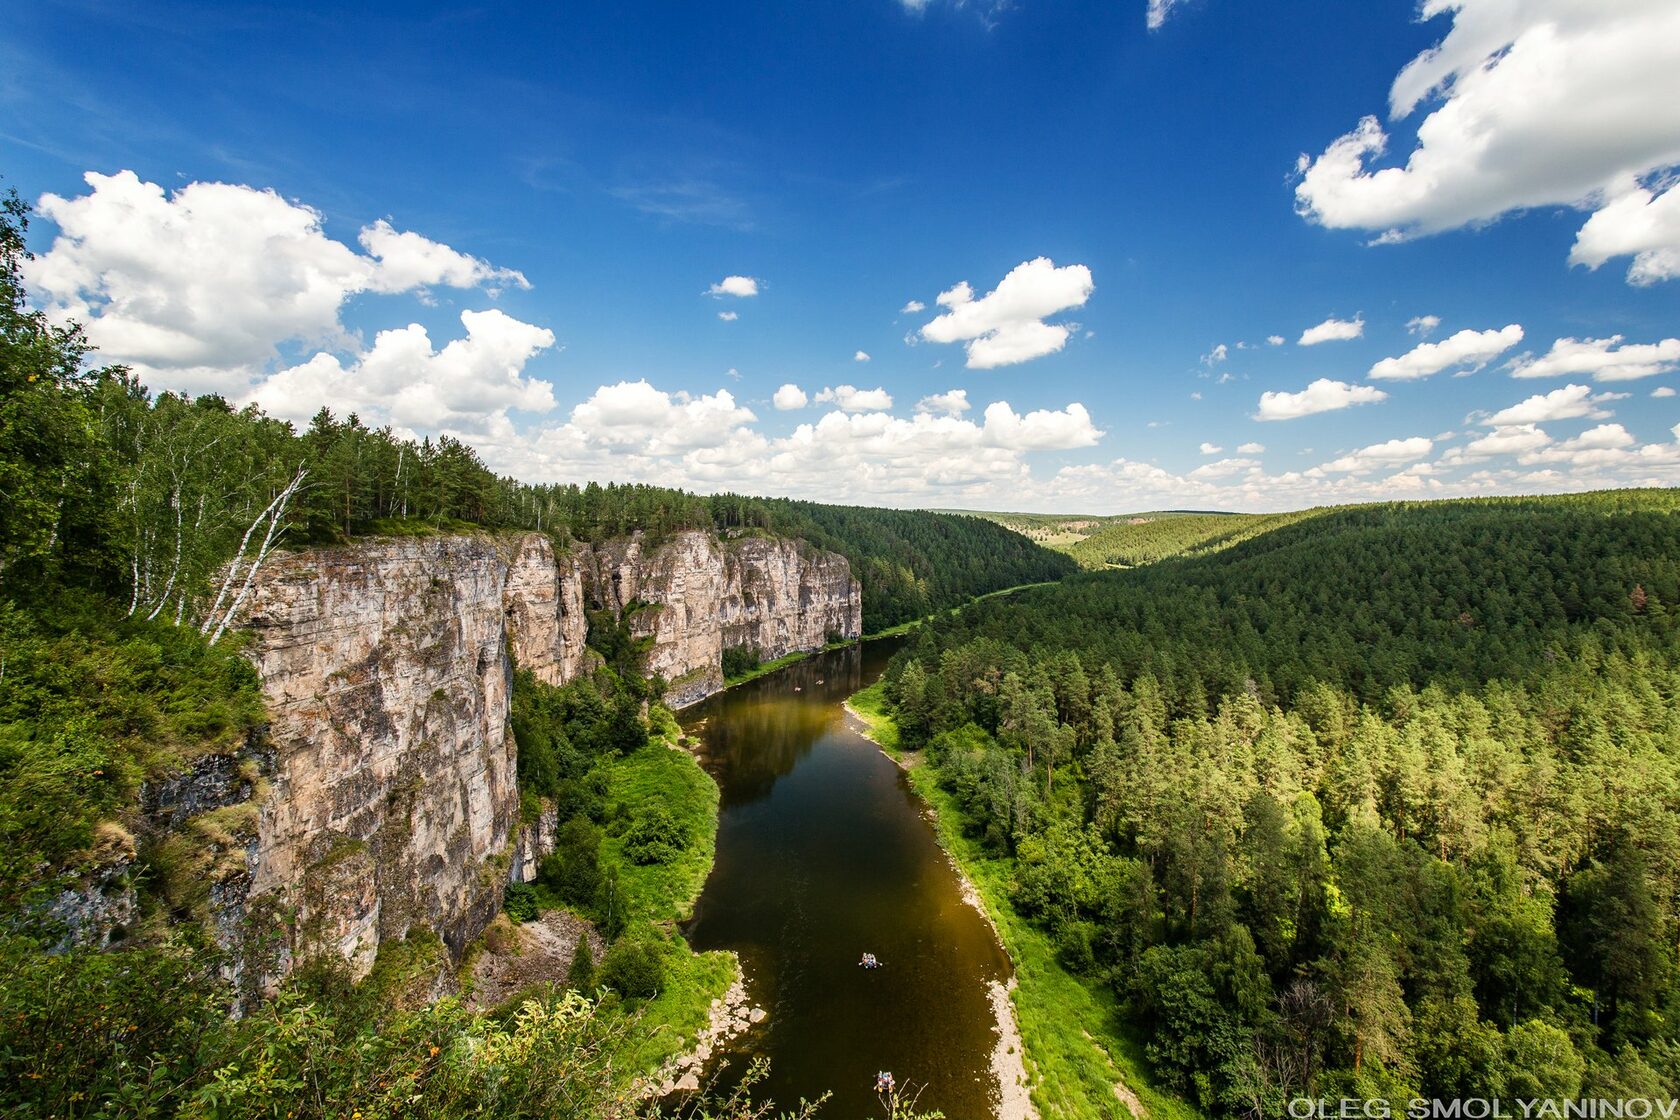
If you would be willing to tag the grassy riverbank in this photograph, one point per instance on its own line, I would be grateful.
(660, 780)
(660, 895)
(1083, 1066)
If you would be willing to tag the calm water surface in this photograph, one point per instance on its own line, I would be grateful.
(823, 854)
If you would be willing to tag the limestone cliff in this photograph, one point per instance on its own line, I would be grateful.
(385, 669)
(696, 596)
(392, 802)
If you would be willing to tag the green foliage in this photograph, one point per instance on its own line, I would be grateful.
(573, 870)
(738, 661)
(1379, 802)
(54, 479)
(656, 837)
(91, 705)
(659, 782)
(521, 902)
(634, 969)
(89, 1034)
(612, 906)
(580, 975)
(1147, 539)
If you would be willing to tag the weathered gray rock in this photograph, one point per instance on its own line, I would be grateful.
(698, 596)
(385, 667)
(98, 911)
(545, 616)
(533, 843)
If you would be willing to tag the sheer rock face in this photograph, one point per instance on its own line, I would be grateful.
(385, 669)
(394, 803)
(545, 616)
(696, 596)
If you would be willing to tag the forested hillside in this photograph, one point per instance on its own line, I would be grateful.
(1381, 803)
(1053, 530)
(1133, 542)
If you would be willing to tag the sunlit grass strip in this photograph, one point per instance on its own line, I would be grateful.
(659, 776)
(661, 895)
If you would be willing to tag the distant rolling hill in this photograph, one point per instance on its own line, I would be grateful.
(1062, 531)
(1132, 539)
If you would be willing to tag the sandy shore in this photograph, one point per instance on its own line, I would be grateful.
(1009, 1067)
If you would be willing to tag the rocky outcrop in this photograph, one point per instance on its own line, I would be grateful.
(386, 669)
(696, 596)
(545, 616)
(533, 843)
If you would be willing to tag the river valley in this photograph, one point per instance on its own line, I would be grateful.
(824, 854)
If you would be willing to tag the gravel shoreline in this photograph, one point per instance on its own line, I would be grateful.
(730, 1017)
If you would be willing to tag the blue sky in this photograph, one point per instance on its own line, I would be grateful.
(561, 190)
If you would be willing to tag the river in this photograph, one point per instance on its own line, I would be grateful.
(823, 854)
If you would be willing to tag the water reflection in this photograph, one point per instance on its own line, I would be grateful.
(753, 735)
(823, 854)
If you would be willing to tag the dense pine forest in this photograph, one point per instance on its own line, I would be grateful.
(1381, 803)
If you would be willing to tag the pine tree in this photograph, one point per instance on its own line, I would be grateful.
(580, 977)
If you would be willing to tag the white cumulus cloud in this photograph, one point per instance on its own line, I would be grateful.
(1531, 104)
(1332, 330)
(1510, 440)
(1604, 359)
(1636, 223)
(404, 381)
(790, 397)
(849, 398)
(1391, 453)
(1468, 349)
(860, 356)
(953, 402)
(1251, 448)
(912, 307)
(198, 289)
(634, 415)
(1040, 430)
(738, 286)
(1211, 448)
(1007, 326)
(1323, 395)
(1423, 324)
(1568, 403)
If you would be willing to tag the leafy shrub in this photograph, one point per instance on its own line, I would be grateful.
(655, 838)
(738, 661)
(634, 969)
(613, 906)
(580, 977)
(573, 870)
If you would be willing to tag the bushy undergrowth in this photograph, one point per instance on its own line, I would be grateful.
(92, 703)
